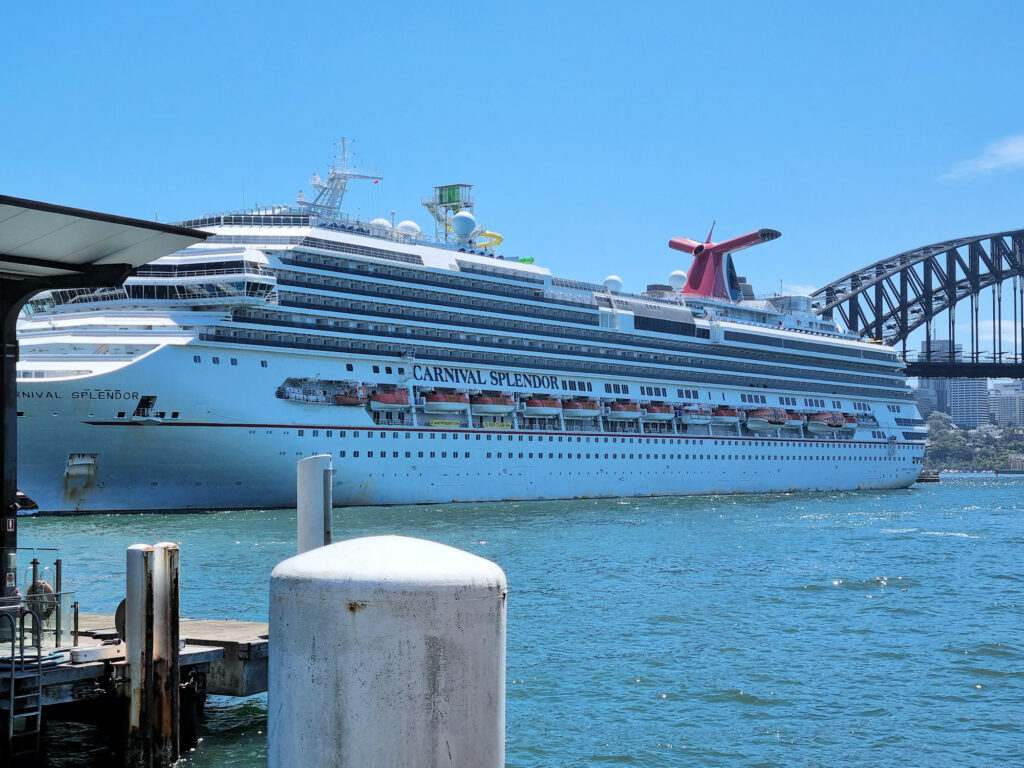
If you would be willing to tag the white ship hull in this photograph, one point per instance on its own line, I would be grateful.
(233, 445)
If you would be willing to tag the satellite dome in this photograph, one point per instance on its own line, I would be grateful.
(613, 283)
(409, 227)
(463, 223)
(381, 223)
(677, 280)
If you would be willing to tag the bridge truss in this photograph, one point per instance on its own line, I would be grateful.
(890, 299)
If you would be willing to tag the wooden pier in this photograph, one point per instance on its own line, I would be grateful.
(240, 669)
(90, 680)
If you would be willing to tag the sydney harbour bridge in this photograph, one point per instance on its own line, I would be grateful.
(983, 276)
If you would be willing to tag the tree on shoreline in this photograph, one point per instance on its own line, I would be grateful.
(976, 450)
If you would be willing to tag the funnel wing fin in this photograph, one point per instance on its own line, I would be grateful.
(683, 244)
(745, 241)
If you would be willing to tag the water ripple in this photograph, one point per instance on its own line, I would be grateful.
(845, 629)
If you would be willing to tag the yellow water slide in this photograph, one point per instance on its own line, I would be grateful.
(493, 240)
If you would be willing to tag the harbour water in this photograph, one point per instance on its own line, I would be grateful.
(845, 629)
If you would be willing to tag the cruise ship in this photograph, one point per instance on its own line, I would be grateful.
(433, 369)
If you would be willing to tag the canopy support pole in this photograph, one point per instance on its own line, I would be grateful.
(13, 295)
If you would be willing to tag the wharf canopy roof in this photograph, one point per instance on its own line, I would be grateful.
(41, 241)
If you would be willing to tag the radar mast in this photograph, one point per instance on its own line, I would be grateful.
(331, 192)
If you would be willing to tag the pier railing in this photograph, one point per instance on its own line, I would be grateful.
(41, 592)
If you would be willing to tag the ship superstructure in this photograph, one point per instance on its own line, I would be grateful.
(434, 370)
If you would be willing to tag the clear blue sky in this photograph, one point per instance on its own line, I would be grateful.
(593, 132)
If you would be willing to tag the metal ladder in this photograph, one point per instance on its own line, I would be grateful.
(24, 699)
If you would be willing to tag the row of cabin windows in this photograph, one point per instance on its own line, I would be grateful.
(894, 408)
(448, 317)
(787, 400)
(418, 277)
(814, 402)
(690, 393)
(342, 433)
(654, 391)
(460, 337)
(263, 364)
(403, 293)
(234, 361)
(744, 397)
(649, 456)
(618, 389)
(860, 406)
(578, 386)
(456, 354)
(408, 454)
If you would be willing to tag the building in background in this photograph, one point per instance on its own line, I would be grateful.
(1006, 403)
(968, 401)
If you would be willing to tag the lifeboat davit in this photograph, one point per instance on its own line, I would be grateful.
(695, 413)
(389, 401)
(542, 408)
(624, 411)
(796, 419)
(726, 416)
(490, 404)
(351, 396)
(825, 421)
(581, 409)
(445, 402)
(659, 412)
(766, 419)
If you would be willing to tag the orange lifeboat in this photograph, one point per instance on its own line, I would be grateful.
(580, 409)
(726, 416)
(542, 408)
(851, 421)
(445, 402)
(766, 419)
(491, 404)
(695, 413)
(659, 412)
(351, 396)
(826, 421)
(624, 411)
(389, 401)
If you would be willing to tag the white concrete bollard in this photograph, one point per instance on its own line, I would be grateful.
(314, 495)
(387, 652)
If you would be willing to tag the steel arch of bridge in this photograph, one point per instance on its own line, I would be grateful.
(891, 298)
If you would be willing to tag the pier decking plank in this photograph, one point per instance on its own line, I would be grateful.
(240, 671)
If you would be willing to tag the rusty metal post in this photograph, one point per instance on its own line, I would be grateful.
(166, 664)
(58, 632)
(139, 655)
